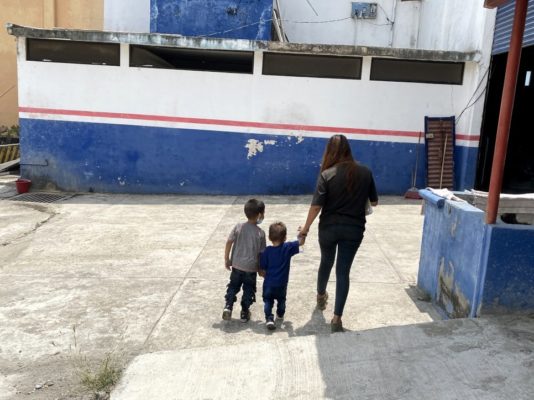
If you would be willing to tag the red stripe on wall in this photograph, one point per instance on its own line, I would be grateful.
(244, 124)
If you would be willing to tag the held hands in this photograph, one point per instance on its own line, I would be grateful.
(303, 231)
(301, 236)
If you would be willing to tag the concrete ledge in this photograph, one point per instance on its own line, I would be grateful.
(431, 198)
(235, 44)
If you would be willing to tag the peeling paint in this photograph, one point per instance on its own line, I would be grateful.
(450, 297)
(453, 227)
(256, 146)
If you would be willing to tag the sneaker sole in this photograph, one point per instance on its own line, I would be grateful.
(271, 326)
(227, 315)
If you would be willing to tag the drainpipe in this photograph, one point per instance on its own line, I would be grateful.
(393, 19)
(507, 107)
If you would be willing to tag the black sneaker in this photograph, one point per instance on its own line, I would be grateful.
(269, 323)
(245, 315)
(227, 313)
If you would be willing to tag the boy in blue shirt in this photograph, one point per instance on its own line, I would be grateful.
(275, 263)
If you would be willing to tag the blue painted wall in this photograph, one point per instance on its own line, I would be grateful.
(451, 250)
(465, 162)
(135, 159)
(469, 268)
(509, 259)
(236, 19)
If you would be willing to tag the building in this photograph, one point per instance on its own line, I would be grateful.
(173, 114)
(79, 14)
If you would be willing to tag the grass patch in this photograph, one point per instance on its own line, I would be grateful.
(103, 377)
(99, 376)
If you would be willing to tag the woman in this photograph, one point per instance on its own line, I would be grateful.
(341, 196)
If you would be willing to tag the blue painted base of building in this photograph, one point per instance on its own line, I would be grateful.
(469, 268)
(509, 260)
(86, 157)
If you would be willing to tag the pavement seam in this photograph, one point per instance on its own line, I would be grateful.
(51, 215)
(186, 274)
(401, 279)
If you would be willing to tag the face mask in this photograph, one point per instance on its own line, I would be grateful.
(259, 220)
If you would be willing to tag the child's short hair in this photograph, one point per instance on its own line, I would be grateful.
(253, 208)
(277, 232)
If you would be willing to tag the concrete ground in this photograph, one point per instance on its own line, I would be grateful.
(139, 274)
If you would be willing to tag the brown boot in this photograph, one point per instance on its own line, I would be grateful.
(322, 300)
(336, 326)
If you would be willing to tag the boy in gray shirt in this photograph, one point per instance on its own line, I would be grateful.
(246, 242)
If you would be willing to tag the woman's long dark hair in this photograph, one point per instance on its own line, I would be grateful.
(338, 151)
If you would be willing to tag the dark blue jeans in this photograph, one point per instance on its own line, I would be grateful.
(345, 240)
(239, 279)
(270, 294)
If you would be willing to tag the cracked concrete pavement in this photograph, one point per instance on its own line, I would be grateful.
(141, 274)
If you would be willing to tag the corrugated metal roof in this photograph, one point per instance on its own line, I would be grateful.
(503, 27)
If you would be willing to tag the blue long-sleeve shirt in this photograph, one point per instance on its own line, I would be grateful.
(276, 261)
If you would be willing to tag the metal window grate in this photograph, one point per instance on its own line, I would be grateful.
(41, 197)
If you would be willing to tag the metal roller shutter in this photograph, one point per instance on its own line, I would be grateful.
(503, 27)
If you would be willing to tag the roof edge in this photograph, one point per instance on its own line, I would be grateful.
(208, 43)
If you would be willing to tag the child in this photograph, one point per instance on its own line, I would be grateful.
(246, 242)
(274, 265)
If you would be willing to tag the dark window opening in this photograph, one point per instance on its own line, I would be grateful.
(72, 52)
(387, 69)
(192, 59)
(338, 67)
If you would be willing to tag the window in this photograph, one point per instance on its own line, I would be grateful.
(341, 67)
(192, 59)
(68, 51)
(388, 69)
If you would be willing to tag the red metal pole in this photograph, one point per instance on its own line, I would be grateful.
(505, 114)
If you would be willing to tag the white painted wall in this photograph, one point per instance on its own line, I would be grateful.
(360, 104)
(127, 15)
(457, 25)
(424, 24)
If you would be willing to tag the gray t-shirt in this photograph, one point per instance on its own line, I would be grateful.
(249, 242)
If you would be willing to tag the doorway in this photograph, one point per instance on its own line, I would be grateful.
(519, 167)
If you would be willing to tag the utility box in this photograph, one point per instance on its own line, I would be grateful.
(364, 10)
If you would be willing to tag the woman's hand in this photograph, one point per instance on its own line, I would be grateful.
(303, 231)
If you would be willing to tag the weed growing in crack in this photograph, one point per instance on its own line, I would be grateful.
(97, 377)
